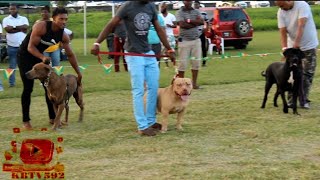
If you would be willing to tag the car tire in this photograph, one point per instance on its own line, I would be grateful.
(240, 46)
(242, 27)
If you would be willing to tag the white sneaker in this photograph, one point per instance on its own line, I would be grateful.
(306, 106)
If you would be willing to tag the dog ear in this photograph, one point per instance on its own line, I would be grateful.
(287, 52)
(174, 78)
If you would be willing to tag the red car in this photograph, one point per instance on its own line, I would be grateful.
(231, 23)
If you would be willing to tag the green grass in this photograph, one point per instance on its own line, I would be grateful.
(226, 134)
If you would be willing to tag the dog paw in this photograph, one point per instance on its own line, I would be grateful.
(65, 123)
(163, 130)
(179, 128)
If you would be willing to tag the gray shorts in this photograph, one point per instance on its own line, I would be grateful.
(190, 50)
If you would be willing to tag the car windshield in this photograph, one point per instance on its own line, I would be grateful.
(231, 14)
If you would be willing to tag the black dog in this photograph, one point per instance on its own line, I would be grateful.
(287, 75)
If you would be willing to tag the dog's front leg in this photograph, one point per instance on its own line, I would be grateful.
(294, 103)
(180, 120)
(58, 116)
(285, 105)
(165, 117)
(275, 104)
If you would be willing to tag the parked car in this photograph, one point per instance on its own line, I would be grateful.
(232, 24)
(241, 4)
(259, 4)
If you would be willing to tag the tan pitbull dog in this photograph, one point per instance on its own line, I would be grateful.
(174, 99)
(59, 90)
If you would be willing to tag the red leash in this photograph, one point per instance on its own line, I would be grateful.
(126, 54)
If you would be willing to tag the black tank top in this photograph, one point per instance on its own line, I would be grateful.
(50, 38)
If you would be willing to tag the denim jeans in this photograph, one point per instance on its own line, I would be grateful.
(1, 85)
(55, 57)
(144, 70)
(12, 53)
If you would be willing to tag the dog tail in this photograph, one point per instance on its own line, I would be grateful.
(263, 73)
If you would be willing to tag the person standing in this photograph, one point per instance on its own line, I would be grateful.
(120, 34)
(189, 19)
(62, 51)
(154, 40)
(41, 38)
(55, 55)
(16, 27)
(1, 85)
(202, 29)
(138, 16)
(170, 23)
(297, 30)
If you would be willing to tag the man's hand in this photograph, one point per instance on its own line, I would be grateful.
(79, 78)
(296, 45)
(95, 49)
(46, 59)
(171, 53)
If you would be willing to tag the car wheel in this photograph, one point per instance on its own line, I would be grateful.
(242, 27)
(240, 46)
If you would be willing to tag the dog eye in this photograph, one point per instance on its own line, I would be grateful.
(179, 85)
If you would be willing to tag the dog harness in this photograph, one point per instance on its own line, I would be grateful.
(66, 95)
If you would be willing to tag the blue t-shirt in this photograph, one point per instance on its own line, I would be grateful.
(153, 37)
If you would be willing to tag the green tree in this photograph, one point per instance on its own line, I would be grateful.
(62, 3)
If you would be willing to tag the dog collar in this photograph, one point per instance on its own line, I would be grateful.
(46, 81)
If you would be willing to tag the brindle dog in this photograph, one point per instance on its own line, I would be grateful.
(59, 90)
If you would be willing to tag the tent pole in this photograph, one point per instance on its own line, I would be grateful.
(85, 28)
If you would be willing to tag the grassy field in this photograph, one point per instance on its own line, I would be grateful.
(226, 134)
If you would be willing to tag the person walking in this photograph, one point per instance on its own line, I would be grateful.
(138, 16)
(16, 27)
(297, 30)
(45, 35)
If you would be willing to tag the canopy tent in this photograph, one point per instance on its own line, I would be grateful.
(30, 3)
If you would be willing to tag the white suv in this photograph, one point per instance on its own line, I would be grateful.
(259, 4)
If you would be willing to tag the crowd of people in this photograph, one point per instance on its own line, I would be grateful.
(138, 27)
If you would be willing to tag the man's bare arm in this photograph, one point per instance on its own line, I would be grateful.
(38, 30)
(300, 30)
(283, 37)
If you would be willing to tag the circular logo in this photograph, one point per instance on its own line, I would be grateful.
(142, 21)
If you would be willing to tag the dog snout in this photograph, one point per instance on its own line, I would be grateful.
(28, 75)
